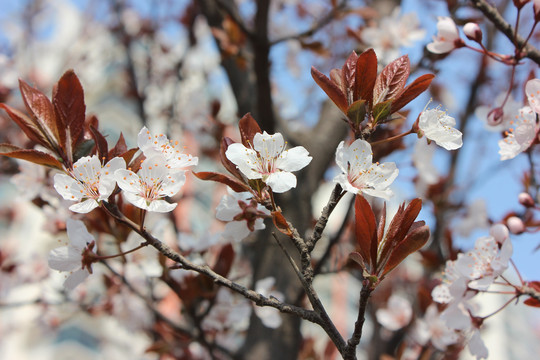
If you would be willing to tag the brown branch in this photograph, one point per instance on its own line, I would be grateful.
(500, 23)
(249, 294)
(336, 195)
(352, 343)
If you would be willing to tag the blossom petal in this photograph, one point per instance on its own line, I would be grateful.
(244, 159)
(65, 258)
(281, 181)
(76, 278)
(127, 180)
(78, 235)
(532, 89)
(67, 187)
(85, 206)
(294, 159)
(161, 206)
(269, 146)
(236, 231)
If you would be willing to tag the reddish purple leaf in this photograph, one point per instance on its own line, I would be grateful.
(42, 112)
(225, 142)
(34, 156)
(30, 128)
(391, 80)
(225, 260)
(366, 74)
(118, 149)
(68, 101)
(349, 73)
(248, 128)
(331, 89)
(365, 229)
(281, 223)
(408, 94)
(222, 178)
(101, 143)
(416, 238)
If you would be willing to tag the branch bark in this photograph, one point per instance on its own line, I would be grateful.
(495, 17)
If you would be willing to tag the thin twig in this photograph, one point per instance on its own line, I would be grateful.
(164, 249)
(337, 194)
(500, 23)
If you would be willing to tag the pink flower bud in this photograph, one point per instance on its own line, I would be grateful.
(499, 232)
(519, 3)
(526, 200)
(536, 7)
(515, 225)
(473, 32)
(495, 116)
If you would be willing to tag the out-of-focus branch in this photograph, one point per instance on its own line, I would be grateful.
(495, 17)
(125, 40)
(318, 25)
(241, 79)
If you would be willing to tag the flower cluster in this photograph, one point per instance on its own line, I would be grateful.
(524, 128)
(472, 272)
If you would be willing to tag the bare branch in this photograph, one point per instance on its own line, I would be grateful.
(495, 17)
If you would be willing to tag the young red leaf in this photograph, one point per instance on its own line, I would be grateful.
(391, 80)
(101, 143)
(35, 156)
(336, 76)
(30, 128)
(365, 229)
(248, 128)
(349, 73)
(225, 260)
(366, 74)
(417, 87)
(281, 223)
(68, 101)
(225, 142)
(118, 149)
(222, 178)
(127, 155)
(42, 112)
(398, 229)
(332, 90)
(416, 238)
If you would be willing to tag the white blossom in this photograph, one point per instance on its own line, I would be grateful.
(520, 136)
(396, 315)
(268, 160)
(153, 182)
(447, 35)
(152, 145)
(360, 174)
(437, 126)
(393, 32)
(89, 182)
(532, 89)
(242, 214)
(269, 316)
(433, 328)
(70, 258)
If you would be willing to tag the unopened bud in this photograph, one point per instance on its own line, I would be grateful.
(473, 32)
(519, 3)
(526, 200)
(515, 225)
(499, 232)
(495, 116)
